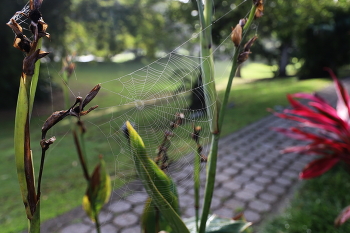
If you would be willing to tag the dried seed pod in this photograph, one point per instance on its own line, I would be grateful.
(21, 42)
(242, 57)
(196, 132)
(91, 95)
(52, 120)
(179, 118)
(29, 61)
(236, 35)
(259, 9)
(45, 144)
(249, 44)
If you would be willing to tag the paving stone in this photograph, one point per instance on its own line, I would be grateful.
(242, 178)
(291, 174)
(268, 197)
(245, 195)
(189, 212)
(263, 180)
(259, 206)
(108, 228)
(180, 190)
(215, 203)
(139, 208)
(276, 189)
(252, 216)
(234, 204)
(224, 212)
(222, 193)
(76, 228)
(258, 166)
(232, 185)
(239, 165)
(119, 206)
(137, 198)
(135, 229)
(222, 177)
(284, 181)
(270, 173)
(186, 200)
(249, 172)
(254, 187)
(231, 171)
(126, 219)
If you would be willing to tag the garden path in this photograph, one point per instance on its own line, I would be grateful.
(252, 176)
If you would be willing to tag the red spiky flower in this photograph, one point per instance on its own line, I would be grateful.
(326, 129)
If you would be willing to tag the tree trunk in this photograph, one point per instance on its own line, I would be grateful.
(284, 59)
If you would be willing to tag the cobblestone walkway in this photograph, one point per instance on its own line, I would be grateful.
(252, 176)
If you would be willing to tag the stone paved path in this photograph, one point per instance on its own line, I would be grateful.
(252, 176)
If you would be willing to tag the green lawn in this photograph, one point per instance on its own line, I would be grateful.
(315, 205)
(63, 184)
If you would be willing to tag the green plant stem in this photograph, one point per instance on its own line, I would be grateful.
(211, 103)
(81, 155)
(97, 224)
(196, 177)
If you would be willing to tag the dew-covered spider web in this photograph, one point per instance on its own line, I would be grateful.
(151, 98)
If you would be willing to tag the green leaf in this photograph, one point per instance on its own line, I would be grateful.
(34, 81)
(216, 224)
(19, 141)
(98, 191)
(158, 185)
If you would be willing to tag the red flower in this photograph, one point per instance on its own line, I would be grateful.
(327, 129)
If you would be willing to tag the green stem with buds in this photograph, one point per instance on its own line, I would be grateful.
(211, 100)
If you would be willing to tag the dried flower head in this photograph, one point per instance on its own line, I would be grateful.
(29, 61)
(242, 57)
(259, 9)
(21, 42)
(77, 110)
(236, 35)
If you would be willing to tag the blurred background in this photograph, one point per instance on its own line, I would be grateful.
(305, 34)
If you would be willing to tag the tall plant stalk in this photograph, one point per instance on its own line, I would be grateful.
(207, 65)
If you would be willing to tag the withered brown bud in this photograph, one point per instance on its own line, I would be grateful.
(29, 61)
(179, 118)
(249, 44)
(45, 144)
(21, 42)
(242, 57)
(259, 9)
(236, 35)
(204, 158)
(196, 132)
(52, 120)
(91, 95)
(168, 134)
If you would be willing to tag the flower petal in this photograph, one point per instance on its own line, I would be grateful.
(318, 167)
(342, 217)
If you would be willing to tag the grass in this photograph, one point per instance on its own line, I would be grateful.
(315, 206)
(63, 184)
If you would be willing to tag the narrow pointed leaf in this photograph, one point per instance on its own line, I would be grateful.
(19, 136)
(318, 167)
(34, 82)
(158, 185)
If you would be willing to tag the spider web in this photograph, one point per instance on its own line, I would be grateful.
(149, 98)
